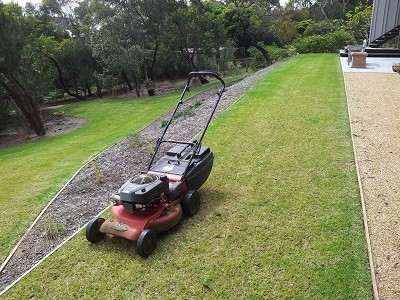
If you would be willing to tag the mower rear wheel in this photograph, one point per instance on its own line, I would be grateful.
(93, 233)
(147, 242)
(191, 203)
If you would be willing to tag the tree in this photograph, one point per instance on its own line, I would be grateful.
(246, 25)
(197, 33)
(152, 17)
(358, 21)
(74, 69)
(20, 69)
(326, 9)
(284, 29)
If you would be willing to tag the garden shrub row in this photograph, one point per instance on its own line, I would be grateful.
(327, 43)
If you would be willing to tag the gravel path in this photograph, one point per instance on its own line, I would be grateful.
(374, 103)
(89, 192)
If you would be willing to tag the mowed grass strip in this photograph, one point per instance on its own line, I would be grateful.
(280, 215)
(31, 174)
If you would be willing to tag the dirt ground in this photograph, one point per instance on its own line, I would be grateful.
(54, 126)
(374, 104)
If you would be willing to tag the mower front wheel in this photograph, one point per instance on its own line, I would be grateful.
(93, 233)
(147, 242)
(191, 203)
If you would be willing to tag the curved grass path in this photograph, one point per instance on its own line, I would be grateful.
(280, 216)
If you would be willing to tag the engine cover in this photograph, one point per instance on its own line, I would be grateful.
(143, 189)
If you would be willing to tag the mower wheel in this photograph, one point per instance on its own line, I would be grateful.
(93, 233)
(147, 242)
(191, 203)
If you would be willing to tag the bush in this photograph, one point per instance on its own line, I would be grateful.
(257, 61)
(328, 43)
(276, 53)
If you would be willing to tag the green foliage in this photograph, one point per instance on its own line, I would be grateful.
(164, 123)
(247, 24)
(24, 70)
(304, 24)
(328, 43)
(237, 19)
(51, 228)
(276, 53)
(75, 60)
(196, 33)
(358, 22)
(256, 59)
(42, 81)
(285, 30)
(198, 103)
(322, 27)
(17, 32)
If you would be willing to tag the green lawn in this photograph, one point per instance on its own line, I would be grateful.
(33, 173)
(280, 215)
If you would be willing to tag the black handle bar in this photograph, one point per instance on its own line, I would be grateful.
(196, 144)
(205, 73)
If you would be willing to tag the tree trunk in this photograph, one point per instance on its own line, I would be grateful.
(125, 77)
(136, 82)
(264, 53)
(62, 81)
(253, 42)
(25, 102)
(88, 89)
(153, 63)
(98, 88)
(190, 59)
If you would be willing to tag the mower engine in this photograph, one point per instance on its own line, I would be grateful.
(143, 191)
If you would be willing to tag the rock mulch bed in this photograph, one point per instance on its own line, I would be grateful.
(374, 103)
(89, 192)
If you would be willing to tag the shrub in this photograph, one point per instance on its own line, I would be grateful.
(276, 53)
(257, 61)
(164, 123)
(328, 43)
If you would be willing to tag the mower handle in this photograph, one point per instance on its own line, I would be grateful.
(205, 73)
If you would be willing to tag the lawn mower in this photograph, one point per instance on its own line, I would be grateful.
(155, 200)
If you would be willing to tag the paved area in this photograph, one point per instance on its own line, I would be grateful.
(373, 65)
